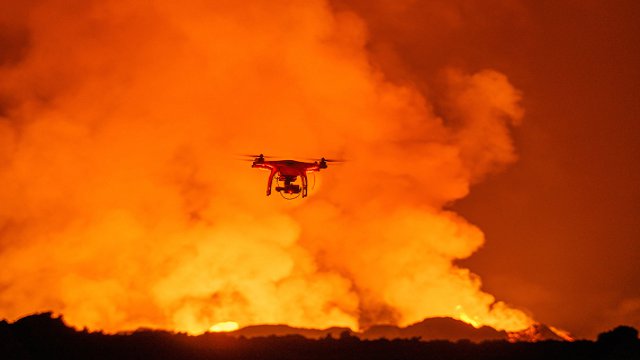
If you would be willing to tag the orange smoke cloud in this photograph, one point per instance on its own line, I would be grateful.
(121, 203)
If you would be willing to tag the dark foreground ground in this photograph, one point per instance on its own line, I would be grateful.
(46, 337)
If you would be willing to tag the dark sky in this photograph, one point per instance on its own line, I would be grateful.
(562, 223)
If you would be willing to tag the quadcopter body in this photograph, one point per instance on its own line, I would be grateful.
(286, 174)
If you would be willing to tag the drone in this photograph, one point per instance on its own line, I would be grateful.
(286, 173)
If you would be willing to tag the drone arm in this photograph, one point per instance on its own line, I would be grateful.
(273, 170)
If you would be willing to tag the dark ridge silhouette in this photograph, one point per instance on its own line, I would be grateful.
(439, 328)
(43, 336)
(619, 343)
(283, 330)
(536, 332)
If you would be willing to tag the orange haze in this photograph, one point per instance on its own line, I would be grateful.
(122, 204)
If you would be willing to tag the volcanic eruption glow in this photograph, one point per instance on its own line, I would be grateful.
(122, 205)
(224, 326)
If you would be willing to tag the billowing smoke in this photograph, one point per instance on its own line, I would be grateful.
(122, 203)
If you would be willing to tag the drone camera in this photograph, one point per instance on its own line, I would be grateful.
(289, 189)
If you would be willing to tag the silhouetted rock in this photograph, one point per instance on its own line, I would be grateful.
(539, 332)
(382, 331)
(451, 329)
(284, 330)
(43, 336)
(440, 328)
(42, 322)
(619, 343)
(620, 335)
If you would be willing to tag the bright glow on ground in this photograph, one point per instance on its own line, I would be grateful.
(466, 318)
(225, 326)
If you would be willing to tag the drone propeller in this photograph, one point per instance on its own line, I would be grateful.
(252, 157)
(327, 160)
(333, 160)
(255, 155)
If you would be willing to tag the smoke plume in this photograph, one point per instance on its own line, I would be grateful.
(122, 204)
